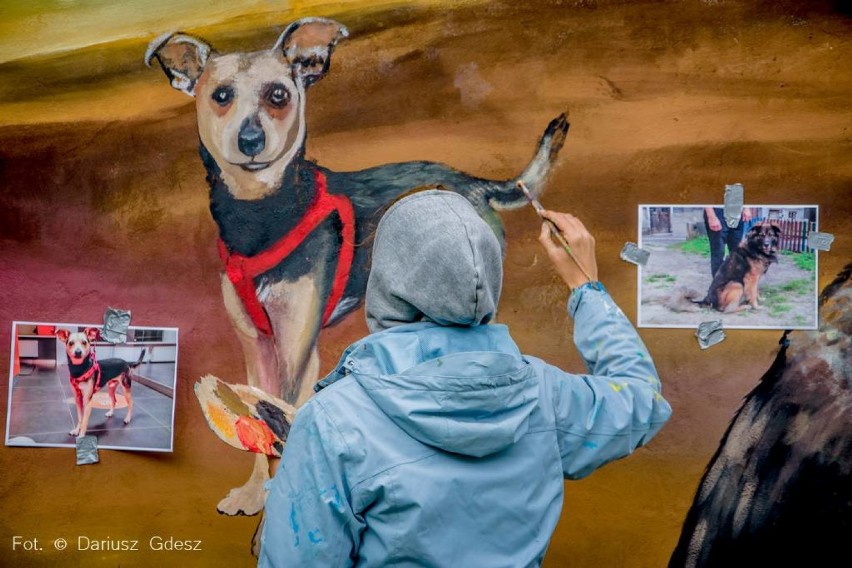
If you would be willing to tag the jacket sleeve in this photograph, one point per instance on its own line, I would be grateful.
(618, 406)
(309, 520)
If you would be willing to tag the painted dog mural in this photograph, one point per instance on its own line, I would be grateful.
(294, 235)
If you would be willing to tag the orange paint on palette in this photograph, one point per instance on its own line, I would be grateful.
(220, 420)
(256, 436)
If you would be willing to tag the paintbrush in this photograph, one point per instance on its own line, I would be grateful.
(554, 230)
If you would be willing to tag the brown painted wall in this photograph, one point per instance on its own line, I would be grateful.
(105, 205)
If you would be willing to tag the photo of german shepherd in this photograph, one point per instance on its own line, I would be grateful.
(677, 287)
(735, 284)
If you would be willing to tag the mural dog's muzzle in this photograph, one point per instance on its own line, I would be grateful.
(252, 139)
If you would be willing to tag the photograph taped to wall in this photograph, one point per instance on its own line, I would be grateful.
(769, 282)
(57, 370)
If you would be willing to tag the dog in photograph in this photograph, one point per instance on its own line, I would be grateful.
(735, 284)
(293, 235)
(89, 375)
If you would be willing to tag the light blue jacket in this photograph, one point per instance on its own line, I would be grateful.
(445, 446)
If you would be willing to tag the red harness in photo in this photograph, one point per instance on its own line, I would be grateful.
(94, 371)
(242, 270)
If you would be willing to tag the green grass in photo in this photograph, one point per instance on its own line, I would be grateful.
(660, 278)
(779, 309)
(802, 260)
(695, 245)
(775, 297)
(799, 287)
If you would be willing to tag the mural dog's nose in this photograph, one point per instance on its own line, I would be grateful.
(251, 140)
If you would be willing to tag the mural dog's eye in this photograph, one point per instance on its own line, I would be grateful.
(223, 96)
(277, 95)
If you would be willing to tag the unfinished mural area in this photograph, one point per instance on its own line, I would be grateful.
(238, 209)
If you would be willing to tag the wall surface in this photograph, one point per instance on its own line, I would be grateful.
(105, 204)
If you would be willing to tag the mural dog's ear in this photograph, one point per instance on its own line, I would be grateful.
(307, 44)
(182, 58)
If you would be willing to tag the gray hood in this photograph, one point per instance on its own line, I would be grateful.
(434, 259)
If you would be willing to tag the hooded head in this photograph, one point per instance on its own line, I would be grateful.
(434, 259)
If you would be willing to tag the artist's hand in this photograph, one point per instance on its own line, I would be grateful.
(582, 245)
(747, 214)
(712, 221)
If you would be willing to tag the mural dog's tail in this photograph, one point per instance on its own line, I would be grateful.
(506, 195)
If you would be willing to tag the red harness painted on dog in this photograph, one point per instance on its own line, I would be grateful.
(242, 270)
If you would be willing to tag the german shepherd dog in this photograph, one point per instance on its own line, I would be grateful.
(735, 284)
(293, 235)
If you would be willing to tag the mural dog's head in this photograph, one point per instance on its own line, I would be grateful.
(251, 106)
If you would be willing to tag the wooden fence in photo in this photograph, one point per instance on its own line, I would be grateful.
(794, 233)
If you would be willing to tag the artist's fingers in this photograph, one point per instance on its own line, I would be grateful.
(563, 221)
(571, 228)
(554, 251)
(545, 239)
(584, 234)
(578, 266)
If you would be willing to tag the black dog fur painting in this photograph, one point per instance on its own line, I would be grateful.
(778, 492)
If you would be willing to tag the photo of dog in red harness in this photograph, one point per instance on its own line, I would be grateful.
(88, 375)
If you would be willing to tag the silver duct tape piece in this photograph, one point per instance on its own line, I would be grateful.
(733, 204)
(820, 241)
(87, 450)
(632, 253)
(709, 333)
(116, 323)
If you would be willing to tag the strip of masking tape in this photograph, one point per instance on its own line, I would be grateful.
(820, 241)
(734, 195)
(87, 450)
(632, 253)
(116, 323)
(709, 333)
